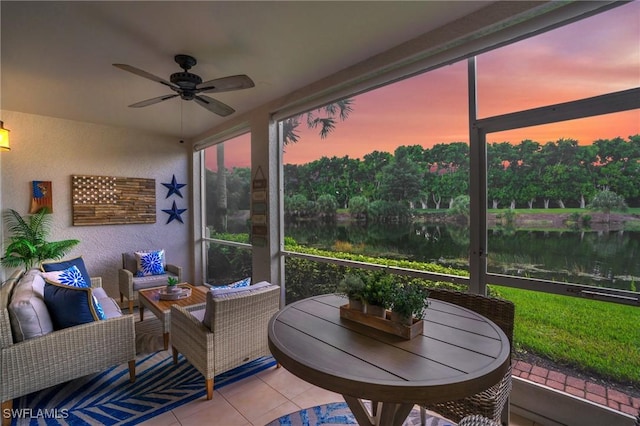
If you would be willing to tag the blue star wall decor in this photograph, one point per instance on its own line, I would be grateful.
(174, 187)
(174, 213)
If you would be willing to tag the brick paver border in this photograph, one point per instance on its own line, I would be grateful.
(590, 391)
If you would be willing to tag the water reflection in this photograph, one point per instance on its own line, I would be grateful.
(601, 258)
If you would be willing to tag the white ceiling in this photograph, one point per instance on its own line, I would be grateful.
(56, 57)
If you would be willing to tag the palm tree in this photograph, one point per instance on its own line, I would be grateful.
(325, 117)
(221, 192)
(28, 245)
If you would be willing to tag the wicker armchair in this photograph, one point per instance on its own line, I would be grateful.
(236, 331)
(129, 284)
(490, 403)
(62, 355)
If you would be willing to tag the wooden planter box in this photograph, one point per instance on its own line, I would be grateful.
(383, 324)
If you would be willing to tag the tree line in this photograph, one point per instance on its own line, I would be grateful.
(525, 175)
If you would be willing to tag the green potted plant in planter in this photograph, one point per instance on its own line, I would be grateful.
(409, 301)
(27, 244)
(352, 286)
(172, 285)
(377, 293)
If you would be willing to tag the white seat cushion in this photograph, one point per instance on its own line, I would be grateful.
(140, 283)
(109, 306)
(199, 314)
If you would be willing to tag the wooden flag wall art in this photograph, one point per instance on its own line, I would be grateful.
(110, 200)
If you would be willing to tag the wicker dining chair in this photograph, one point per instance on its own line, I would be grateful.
(491, 402)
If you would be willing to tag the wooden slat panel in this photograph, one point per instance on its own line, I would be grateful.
(473, 324)
(333, 359)
(446, 346)
(460, 327)
(402, 363)
(464, 339)
(109, 200)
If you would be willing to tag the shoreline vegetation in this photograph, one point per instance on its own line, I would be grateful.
(545, 220)
(526, 219)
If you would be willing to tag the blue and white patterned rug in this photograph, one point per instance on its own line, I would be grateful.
(338, 413)
(108, 398)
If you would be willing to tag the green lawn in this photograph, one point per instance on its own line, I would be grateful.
(593, 336)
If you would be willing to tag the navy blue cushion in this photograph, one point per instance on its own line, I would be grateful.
(73, 278)
(69, 306)
(61, 265)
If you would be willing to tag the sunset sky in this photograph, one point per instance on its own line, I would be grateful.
(591, 57)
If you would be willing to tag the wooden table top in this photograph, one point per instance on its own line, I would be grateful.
(459, 353)
(152, 296)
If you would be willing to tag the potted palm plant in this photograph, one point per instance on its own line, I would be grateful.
(27, 245)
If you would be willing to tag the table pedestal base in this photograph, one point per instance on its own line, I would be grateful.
(383, 413)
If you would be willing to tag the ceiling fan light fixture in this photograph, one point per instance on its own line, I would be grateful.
(185, 80)
(4, 138)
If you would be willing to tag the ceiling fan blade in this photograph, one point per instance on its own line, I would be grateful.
(141, 73)
(214, 106)
(225, 84)
(152, 101)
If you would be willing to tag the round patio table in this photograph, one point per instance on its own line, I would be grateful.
(458, 354)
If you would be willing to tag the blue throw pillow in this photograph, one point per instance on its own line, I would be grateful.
(149, 263)
(73, 278)
(66, 264)
(70, 276)
(69, 306)
(246, 282)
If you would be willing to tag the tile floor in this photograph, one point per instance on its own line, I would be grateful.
(257, 400)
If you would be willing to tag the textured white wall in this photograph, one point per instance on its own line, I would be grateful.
(51, 149)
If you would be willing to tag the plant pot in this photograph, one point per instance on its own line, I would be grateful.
(401, 319)
(356, 305)
(375, 310)
(173, 289)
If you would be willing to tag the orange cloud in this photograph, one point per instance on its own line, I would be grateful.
(587, 58)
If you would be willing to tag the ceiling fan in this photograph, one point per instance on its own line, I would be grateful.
(189, 86)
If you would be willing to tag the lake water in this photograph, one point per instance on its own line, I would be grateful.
(602, 258)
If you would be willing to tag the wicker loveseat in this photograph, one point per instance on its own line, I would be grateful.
(225, 332)
(42, 360)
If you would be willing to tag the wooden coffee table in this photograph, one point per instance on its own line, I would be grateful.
(150, 298)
